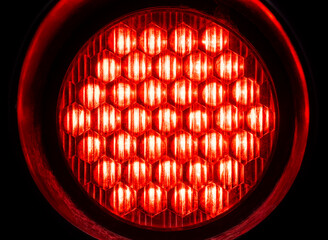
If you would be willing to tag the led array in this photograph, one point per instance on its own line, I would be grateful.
(167, 122)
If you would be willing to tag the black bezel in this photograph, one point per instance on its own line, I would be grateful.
(56, 61)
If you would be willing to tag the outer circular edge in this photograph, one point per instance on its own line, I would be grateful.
(56, 195)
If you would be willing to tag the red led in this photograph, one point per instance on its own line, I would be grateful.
(106, 119)
(121, 199)
(165, 119)
(214, 39)
(90, 146)
(228, 173)
(229, 66)
(182, 199)
(183, 40)
(213, 199)
(152, 199)
(197, 66)
(197, 119)
(245, 92)
(259, 119)
(122, 40)
(135, 119)
(121, 94)
(106, 172)
(153, 40)
(167, 66)
(227, 118)
(182, 93)
(212, 93)
(213, 145)
(151, 146)
(167, 123)
(151, 92)
(121, 146)
(182, 146)
(136, 66)
(196, 172)
(167, 172)
(76, 119)
(91, 93)
(136, 173)
(245, 146)
(107, 66)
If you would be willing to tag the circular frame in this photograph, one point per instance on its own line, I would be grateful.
(58, 38)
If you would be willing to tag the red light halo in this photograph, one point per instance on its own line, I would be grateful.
(42, 173)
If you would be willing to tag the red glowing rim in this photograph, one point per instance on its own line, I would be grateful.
(36, 158)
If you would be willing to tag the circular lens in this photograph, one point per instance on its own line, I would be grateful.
(167, 118)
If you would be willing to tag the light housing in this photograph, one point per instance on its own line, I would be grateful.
(38, 116)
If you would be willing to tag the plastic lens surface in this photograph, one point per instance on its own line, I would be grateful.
(167, 118)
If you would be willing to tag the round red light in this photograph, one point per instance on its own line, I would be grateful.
(169, 116)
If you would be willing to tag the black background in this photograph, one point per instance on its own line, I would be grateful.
(301, 215)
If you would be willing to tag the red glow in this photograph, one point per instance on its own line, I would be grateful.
(167, 172)
(183, 146)
(76, 119)
(106, 119)
(151, 146)
(213, 145)
(213, 199)
(29, 128)
(90, 146)
(214, 39)
(106, 172)
(122, 40)
(229, 66)
(121, 94)
(151, 92)
(227, 118)
(182, 199)
(167, 66)
(136, 173)
(108, 67)
(168, 121)
(136, 66)
(91, 93)
(183, 40)
(121, 198)
(165, 119)
(245, 92)
(153, 40)
(197, 66)
(152, 199)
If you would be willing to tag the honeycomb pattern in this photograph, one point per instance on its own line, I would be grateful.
(167, 119)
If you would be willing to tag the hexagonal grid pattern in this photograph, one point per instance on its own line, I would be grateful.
(168, 121)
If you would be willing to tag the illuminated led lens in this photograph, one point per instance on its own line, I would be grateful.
(170, 121)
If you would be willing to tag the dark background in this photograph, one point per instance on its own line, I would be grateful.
(301, 215)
